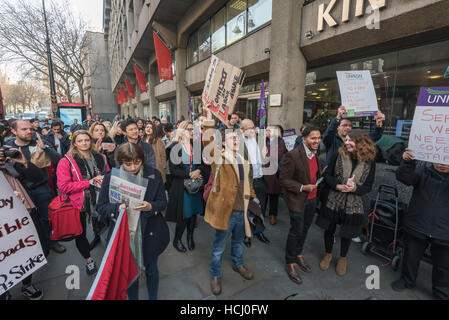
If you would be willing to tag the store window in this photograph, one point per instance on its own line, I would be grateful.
(397, 78)
(259, 13)
(218, 30)
(236, 21)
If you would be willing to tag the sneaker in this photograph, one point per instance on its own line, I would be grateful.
(32, 293)
(400, 285)
(91, 268)
(357, 240)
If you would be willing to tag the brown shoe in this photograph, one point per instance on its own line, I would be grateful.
(303, 264)
(243, 272)
(292, 274)
(341, 266)
(273, 220)
(215, 285)
(326, 262)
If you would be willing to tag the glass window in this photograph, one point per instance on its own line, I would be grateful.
(236, 20)
(218, 30)
(192, 49)
(259, 12)
(204, 41)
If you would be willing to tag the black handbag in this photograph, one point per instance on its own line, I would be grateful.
(193, 186)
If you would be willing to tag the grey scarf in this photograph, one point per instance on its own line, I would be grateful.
(350, 203)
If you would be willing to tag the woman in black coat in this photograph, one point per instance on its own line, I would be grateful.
(154, 230)
(179, 211)
(427, 221)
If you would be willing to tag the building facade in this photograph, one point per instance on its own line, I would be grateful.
(295, 46)
(97, 83)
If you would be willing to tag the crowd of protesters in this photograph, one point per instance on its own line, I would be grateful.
(224, 177)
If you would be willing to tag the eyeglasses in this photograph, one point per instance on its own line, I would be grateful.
(191, 129)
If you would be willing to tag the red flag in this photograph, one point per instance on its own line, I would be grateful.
(118, 269)
(164, 60)
(130, 89)
(141, 79)
(119, 97)
(123, 95)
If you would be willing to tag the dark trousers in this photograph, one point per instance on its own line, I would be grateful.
(273, 200)
(152, 281)
(300, 223)
(414, 250)
(82, 244)
(329, 236)
(260, 188)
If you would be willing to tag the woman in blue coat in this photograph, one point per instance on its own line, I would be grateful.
(154, 230)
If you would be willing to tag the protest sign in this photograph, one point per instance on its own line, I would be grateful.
(20, 249)
(357, 93)
(222, 88)
(290, 139)
(129, 189)
(429, 137)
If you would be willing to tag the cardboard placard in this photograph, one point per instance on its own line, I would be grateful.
(357, 93)
(222, 88)
(429, 136)
(20, 249)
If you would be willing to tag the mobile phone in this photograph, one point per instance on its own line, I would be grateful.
(319, 181)
(139, 207)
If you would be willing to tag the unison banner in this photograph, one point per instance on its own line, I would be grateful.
(164, 61)
(222, 87)
(20, 249)
(429, 136)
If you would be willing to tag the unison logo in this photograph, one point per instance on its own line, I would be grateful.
(437, 96)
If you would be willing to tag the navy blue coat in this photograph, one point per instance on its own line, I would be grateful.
(428, 211)
(65, 141)
(155, 233)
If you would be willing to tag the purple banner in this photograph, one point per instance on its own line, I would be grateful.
(434, 97)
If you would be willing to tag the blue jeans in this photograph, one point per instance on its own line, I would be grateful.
(237, 228)
(152, 275)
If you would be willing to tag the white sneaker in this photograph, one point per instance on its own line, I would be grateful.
(357, 240)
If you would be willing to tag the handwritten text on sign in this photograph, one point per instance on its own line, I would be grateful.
(357, 93)
(429, 137)
(20, 250)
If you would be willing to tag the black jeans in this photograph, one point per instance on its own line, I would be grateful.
(274, 203)
(300, 223)
(414, 250)
(329, 236)
(260, 188)
(81, 241)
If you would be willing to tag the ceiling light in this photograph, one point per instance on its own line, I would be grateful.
(438, 76)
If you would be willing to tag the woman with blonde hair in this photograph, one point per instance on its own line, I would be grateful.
(350, 175)
(184, 204)
(103, 142)
(77, 173)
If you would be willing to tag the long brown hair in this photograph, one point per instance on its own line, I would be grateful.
(74, 150)
(365, 150)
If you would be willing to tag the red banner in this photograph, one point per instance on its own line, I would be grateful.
(141, 79)
(123, 95)
(119, 97)
(118, 269)
(164, 60)
(130, 89)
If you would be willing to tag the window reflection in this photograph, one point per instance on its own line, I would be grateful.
(236, 20)
(218, 30)
(259, 13)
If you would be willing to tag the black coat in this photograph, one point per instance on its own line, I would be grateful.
(65, 141)
(155, 233)
(175, 212)
(428, 213)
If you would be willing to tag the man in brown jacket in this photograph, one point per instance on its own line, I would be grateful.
(299, 176)
(228, 201)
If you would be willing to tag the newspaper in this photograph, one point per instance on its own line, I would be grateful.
(129, 189)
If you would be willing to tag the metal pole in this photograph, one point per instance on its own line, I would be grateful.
(54, 102)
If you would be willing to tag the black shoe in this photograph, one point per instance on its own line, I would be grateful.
(94, 242)
(58, 248)
(190, 242)
(262, 238)
(400, 285)
(91, 268)
(179, 246)
(247, 242)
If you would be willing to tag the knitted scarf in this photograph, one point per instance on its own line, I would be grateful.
(349, 202)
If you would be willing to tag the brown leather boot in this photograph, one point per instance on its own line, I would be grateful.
(243, 272)
(341, 266)
(215, 285)
(326, 262)
(273, 220)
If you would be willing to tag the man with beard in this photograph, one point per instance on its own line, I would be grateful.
(37, 186)
(299, 176)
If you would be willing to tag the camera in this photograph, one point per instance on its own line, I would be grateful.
(14, 154)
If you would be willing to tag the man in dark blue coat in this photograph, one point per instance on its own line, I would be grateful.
(426, 222)
(58, 139)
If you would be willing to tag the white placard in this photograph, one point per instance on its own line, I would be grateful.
(275, 100)
(357, 93)
(20, 249)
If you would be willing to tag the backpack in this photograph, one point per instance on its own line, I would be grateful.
(64, 219)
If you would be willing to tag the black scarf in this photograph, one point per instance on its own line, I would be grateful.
(99, 169)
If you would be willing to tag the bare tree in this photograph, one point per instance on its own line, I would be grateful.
(23, 41)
